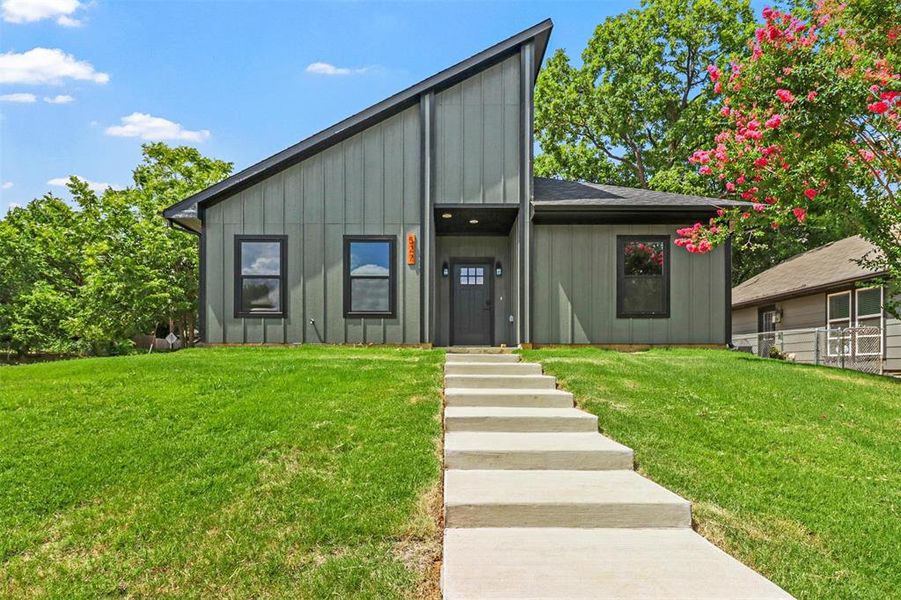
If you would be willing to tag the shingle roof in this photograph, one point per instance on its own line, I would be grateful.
(540, 33)
(552, 193)
(821, 268)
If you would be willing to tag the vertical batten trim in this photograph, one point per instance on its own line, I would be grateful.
(201, 290)
(427, 182)
(526, 57)
(727, 331)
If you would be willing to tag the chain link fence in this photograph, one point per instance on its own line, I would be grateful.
(858, 348)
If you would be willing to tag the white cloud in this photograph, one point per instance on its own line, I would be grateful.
(59, 99)
(149, 127)
(29, 11)
(18, 97)
(96, 186)
(324, 68)
(6, 185)
(46, 66)
(370, 269)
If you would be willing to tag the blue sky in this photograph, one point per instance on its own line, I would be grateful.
(232, 78)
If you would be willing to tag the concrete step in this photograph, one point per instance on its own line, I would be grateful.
(594, 563)
(519, 382)
(485, 358)
(477, 498)
(479, 350)
(480, 368)
(511, 398)
(517, 419)
(545, 451)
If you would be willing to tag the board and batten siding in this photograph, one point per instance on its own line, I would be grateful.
(366, 184)
(574, 290)
(478, 135)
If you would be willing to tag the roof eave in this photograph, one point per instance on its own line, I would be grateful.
(796, 293)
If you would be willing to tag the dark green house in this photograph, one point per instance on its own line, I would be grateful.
(418, 221)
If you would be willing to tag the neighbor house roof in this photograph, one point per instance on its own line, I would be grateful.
(816, 270)
(552, 193)
(186, 210)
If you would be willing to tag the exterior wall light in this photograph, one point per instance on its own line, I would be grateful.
(446, 215)
(498, 269)
(473, 221)
(445, 270)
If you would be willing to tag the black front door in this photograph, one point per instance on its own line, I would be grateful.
(472, 308)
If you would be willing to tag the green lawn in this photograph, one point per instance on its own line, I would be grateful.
(795, 470)
(231, 472)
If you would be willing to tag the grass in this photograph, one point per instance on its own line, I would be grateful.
(795, 470)
(229, 473)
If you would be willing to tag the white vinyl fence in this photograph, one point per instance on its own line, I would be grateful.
(858, 348)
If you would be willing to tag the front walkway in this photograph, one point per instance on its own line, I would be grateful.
(538, 504)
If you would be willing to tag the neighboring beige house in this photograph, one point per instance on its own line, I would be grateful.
(824, 288)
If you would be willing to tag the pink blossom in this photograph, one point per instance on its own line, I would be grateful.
(800, 214)
(768, 13)
(705, 170)
(761, 162)
(741, 180)
(730, 186)
(759, 207)
(810, 193)
(720, 212)
(774, 121)
(785, 96)
(713, 72)
(811, 96)
(889, 96)
(878, 107)
(718, 87)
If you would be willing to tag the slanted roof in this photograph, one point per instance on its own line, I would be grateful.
(185, 212)
(558, 193)
(816, 270)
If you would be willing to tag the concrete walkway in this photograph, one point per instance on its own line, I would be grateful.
(538, 504)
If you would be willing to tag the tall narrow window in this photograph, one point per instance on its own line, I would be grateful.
(868, 313)
(260, 275)
(838, 318)
(642, 276)
(369, 276)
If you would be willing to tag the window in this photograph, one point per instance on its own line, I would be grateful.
(472, 275)
(260, 274)
(369, 276)
(868, 313)
(838, 316)
(642, 276)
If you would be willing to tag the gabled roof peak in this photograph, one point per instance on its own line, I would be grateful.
(540, 32)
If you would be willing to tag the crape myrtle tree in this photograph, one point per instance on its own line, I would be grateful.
(810, 122)
(90, 276)
(638, 104)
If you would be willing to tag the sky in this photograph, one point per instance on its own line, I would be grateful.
(83, 83)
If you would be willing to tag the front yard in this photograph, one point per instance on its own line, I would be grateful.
(234, 472)
(792, 469)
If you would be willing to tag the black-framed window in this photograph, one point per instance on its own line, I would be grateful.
(642, 276)
(261, 275)
(370, 275)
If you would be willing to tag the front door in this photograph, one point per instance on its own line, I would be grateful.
(471, 304)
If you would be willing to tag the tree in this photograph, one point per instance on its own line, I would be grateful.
(89, 278)
(810, 123)
(638, 105)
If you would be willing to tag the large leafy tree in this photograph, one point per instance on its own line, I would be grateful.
(638, 105)
(87, 278)
(810, 124)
